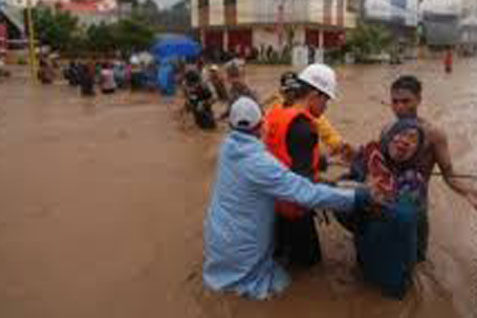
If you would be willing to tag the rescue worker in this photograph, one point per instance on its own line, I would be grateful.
(329, 136)
(238, 234)
(292, 136)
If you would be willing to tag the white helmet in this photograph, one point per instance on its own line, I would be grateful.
(245, 114)
(321, 77)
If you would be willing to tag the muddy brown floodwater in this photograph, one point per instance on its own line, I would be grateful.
(102, 203)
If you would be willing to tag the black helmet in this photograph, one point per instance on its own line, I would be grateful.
(289, 81)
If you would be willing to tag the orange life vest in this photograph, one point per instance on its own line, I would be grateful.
(277, 124)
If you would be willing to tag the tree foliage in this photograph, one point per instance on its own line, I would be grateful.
(132, 35)
(62, 32)
(55, 28)
(368, 39)
(100, 38)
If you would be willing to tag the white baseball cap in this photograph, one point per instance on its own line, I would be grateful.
(245, 114)
(321, 77)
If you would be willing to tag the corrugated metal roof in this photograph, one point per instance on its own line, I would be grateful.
(14, 15)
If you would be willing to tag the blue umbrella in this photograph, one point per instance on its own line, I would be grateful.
(176, 46)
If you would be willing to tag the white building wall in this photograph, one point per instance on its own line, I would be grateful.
(246, 11)
(217, 14)
(316, 11)
(266, 11)
(351, 20)
(334, 12)
(194, 12)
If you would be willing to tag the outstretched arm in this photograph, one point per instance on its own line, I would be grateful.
(444, 162)
(330, 136)
(276, 180)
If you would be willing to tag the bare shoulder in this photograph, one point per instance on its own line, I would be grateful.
(434, 133)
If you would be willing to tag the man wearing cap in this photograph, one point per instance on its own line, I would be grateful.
(291, 135)
(239, 227)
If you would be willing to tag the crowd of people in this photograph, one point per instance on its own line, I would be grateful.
(109, 76)
(106, 75)
(269, 185)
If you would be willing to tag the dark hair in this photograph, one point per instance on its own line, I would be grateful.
(233, 70)
(289, 80)
(192, 77)
(408, 82)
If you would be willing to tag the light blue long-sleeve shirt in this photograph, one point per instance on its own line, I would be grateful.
(239, 228)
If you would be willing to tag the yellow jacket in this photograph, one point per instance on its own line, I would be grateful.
(328, 134)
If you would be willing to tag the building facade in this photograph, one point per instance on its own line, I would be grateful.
(399, 12)
(441, 20)
(239, 25)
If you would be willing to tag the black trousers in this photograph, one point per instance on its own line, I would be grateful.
(297, 241)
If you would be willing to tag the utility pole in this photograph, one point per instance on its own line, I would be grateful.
(31, 41)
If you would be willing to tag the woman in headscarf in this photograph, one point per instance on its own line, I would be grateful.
(386, 242)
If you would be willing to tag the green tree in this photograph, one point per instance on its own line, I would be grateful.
(367, 39)
(57, 29)
(132, 35)
(100, 38)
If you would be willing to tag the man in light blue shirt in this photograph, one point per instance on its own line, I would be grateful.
(239, 227)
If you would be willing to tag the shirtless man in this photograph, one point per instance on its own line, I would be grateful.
(405, 99)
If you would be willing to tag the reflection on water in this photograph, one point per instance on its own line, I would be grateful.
(103, 201)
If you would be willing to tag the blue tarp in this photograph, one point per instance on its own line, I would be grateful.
(176, 46)
(165, 79)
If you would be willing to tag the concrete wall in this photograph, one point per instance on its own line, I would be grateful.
(246, 11)
(315, 11)
(194, 13)
(217, 13)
